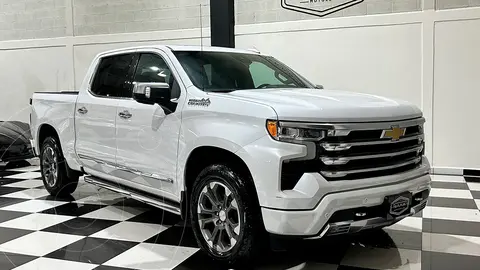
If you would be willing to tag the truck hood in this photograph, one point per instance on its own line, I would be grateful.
(316, 105)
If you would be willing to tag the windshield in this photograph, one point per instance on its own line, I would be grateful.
(225, 71)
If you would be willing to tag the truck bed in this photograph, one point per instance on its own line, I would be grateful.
(58, 110)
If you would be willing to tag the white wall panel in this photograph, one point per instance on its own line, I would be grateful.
(457, 94)
(383, 60)
(24, 71)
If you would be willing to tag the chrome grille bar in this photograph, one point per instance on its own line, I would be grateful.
(345, 160)
(337, 174)
(345, 146)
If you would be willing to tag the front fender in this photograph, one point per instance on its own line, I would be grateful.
(226, 123)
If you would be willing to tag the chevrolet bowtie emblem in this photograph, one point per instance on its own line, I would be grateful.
(395, 133)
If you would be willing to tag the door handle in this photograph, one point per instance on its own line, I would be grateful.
(125, 114)
(82, 110)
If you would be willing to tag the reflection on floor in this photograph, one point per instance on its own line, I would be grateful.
(98, 229)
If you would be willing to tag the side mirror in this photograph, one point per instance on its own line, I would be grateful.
(319, 86)
(151, 92)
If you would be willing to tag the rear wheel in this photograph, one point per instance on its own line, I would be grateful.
(54, 169)
(225, 218)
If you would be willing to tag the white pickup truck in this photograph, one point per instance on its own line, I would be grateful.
(236, 142)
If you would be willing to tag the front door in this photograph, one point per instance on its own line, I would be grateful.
(147, 135)
(96, 114)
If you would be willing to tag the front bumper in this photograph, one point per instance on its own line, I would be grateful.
(330, 216)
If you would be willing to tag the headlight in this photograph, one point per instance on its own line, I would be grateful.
(280, 131)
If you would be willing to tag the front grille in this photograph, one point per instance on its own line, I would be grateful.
(358, 151)
(356, 154)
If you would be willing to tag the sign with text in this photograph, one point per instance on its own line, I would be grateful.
(318, 8)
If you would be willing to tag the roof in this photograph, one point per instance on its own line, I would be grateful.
(208, 49)
(183, 48)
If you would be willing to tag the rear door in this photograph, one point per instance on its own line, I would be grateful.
(96, 113)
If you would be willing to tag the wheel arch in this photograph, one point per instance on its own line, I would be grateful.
(46, 130)
(203, 156)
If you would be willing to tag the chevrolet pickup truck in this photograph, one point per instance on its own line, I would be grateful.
(237, 143)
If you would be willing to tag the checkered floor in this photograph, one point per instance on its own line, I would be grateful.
(98, 229)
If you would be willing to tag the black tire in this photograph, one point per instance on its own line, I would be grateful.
(252, 235)
(64, 185)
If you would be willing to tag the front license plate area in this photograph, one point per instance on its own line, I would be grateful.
(399, 204)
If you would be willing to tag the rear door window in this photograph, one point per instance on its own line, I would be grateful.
(112, 77)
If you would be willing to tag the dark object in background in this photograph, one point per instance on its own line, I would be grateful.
(15, 142)
(222, 23)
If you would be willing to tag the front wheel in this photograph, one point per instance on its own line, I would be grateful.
(54, 169)
(225, 218)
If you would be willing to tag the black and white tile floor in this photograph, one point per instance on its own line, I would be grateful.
(98, 229)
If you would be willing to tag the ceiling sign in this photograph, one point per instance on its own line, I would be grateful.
(318, 8)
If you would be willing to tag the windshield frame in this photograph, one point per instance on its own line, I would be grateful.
(270, 61)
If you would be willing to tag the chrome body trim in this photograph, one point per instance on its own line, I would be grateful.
(126, 169)
(334, 174)
(350, 226)
(346, 146)
(137, 196)
(345, 160)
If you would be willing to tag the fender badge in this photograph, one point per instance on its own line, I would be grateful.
(205, 102)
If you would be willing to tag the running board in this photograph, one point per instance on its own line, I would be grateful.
(158, 202)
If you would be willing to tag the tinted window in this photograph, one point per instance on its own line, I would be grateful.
(111, 79)
(224, 71)
(152, 68)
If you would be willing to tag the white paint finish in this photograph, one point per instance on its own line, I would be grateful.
(35, 221)
(60, 117)
(48, 264)
(151, 257)
(25, 71)
(130, 231)
(456, 97)
(434, 212)
(331, 106)
(380, 258)
(39, 243)
(478, 203)
(455, 244)
(382, 60)
(451, 193)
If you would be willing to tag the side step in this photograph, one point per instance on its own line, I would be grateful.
(163, 203)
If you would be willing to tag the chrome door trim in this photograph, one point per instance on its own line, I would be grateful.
(125, 169)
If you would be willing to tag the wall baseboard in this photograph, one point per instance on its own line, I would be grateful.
(456, 171)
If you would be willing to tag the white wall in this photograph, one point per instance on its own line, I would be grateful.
(430, 58)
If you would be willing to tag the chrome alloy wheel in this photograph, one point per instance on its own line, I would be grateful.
(50, 166)
(218, 217)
